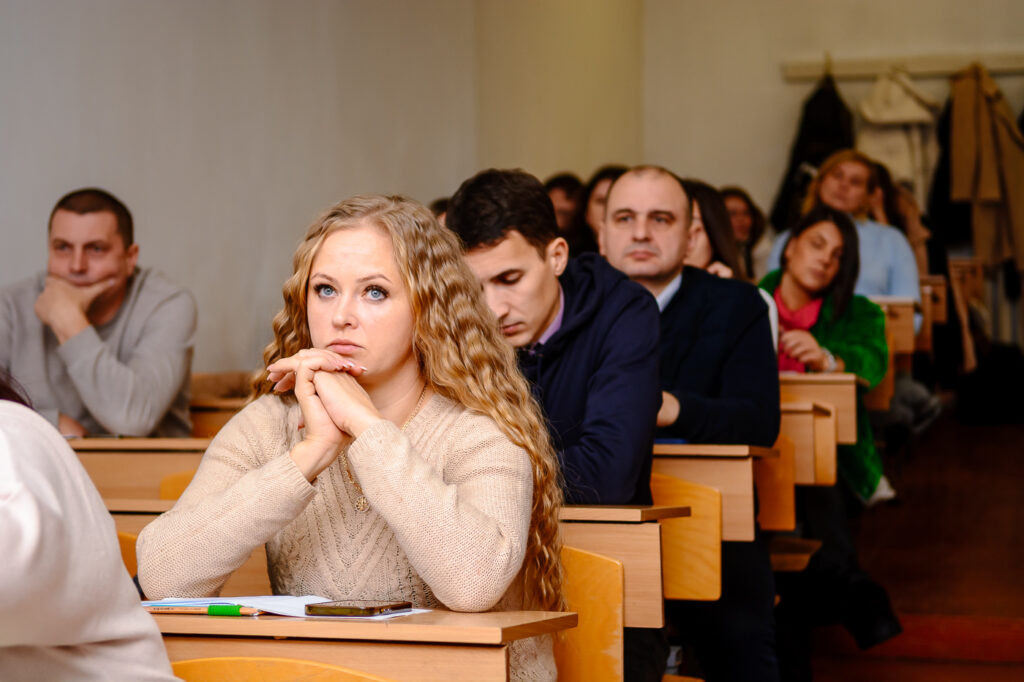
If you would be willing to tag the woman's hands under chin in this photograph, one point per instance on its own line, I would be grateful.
(345, 402)
(323, 437)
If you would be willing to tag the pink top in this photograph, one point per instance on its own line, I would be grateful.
(795, 319)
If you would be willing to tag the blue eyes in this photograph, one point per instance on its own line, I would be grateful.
(323, 290)
(373, 292)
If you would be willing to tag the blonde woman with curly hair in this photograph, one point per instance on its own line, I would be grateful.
(393, 452)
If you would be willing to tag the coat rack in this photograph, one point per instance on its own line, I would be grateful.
(921, 66)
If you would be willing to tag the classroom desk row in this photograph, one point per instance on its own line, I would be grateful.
(818, 413)
(630, 534)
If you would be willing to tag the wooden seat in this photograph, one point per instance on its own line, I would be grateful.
(792, 554)
(173, 485)
(256, 669)
(691, 547)
(127, 542)
(594, 588)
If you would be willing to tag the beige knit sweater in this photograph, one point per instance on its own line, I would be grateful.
(450, 504)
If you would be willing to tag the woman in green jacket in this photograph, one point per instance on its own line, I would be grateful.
(824, 327)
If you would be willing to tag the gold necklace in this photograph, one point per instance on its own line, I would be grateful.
(361, 503)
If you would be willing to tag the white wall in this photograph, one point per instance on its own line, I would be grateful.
(716, 105)
(226, 127)
(559, 84)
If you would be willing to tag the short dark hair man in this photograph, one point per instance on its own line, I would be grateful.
(100, 345)
(576, 325)
(720, 384)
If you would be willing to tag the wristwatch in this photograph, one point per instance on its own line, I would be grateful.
(830, 361)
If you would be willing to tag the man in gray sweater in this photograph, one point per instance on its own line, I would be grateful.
(100, 345)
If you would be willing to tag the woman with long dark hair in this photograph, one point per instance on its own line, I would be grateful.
(748, 226)
(711, 245)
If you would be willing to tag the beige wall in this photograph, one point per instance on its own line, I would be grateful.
(226, 126)
(559, 84)
(715, 103)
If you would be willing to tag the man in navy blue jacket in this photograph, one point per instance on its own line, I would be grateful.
(720, 384)
(586, 336)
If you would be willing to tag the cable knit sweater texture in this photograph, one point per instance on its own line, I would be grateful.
(450, 500)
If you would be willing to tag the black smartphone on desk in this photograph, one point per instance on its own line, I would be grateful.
(356, 607)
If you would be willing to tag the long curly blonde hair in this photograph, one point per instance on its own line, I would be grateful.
(461, 353)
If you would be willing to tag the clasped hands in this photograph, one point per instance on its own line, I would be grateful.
(335, 408)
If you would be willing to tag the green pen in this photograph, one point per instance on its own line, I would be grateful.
(211, 610)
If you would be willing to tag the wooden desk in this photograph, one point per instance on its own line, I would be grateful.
(132, 515)
(632, 535)
(812, 427)
(133, 467)
(440, 645)
(837, 390)
(899, 318)
(729, 468)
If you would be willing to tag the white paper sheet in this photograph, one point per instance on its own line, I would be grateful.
(278, 604)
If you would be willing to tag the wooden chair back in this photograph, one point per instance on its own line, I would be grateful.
(878, 398)
(173, 485)
(775, 479)
(257, 669)
(205, 385)
(216, 397)
(691, 548)
(127, 542)
(594, 588)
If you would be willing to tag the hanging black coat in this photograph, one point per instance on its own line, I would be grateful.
(826, 126)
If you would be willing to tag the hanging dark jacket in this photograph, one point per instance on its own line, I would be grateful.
(596, 379)
(826, 126)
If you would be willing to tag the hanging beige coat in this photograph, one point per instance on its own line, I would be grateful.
(898, 130)
(987, 158)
